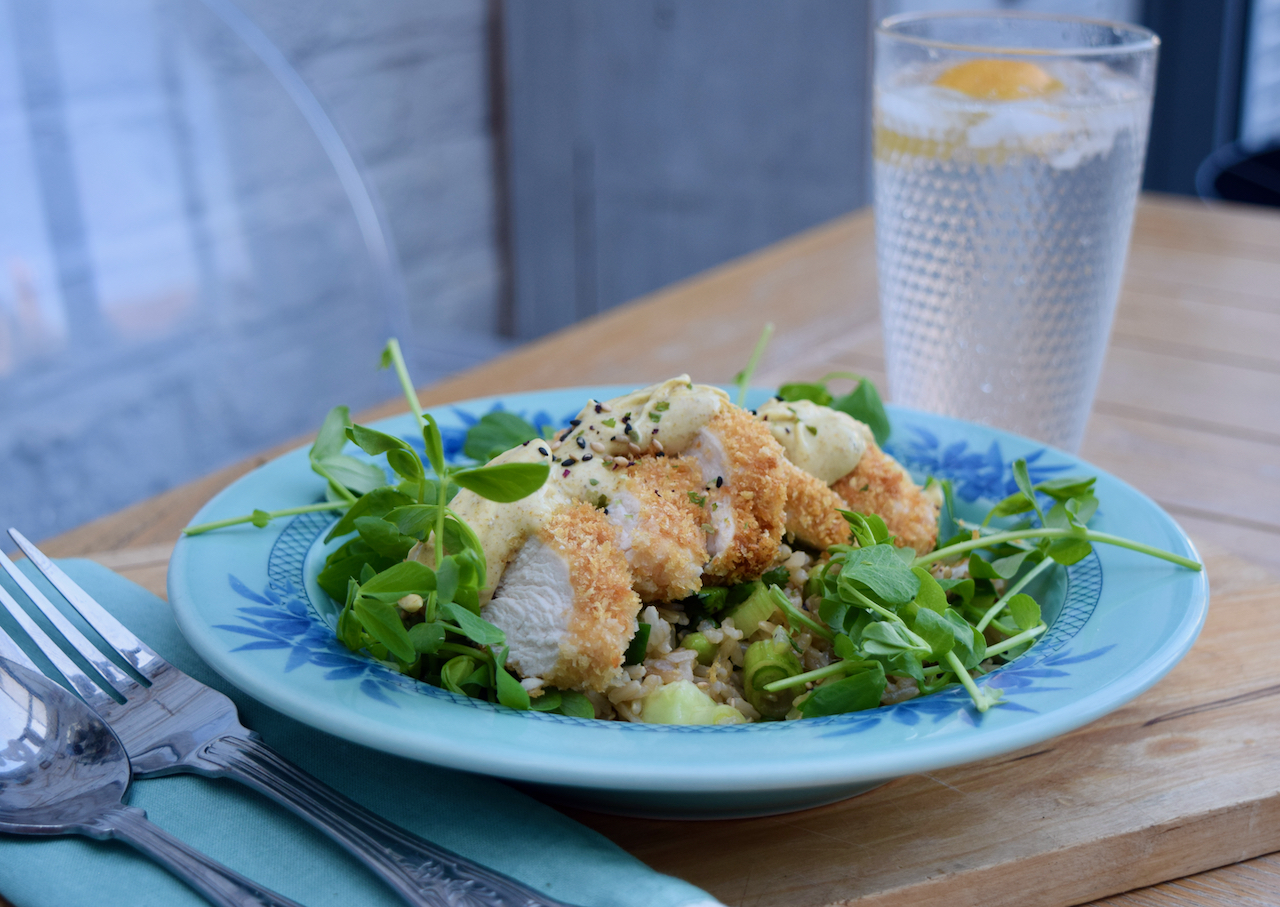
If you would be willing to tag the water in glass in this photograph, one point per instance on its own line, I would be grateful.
(1004, 198)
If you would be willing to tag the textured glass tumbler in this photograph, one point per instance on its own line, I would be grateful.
(1008, 156)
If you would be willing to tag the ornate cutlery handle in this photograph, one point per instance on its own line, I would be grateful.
(421, 872)
(220, 885)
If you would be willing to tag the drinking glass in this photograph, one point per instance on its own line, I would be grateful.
(1008, 156)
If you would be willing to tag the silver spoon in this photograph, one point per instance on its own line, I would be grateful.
(62, 771)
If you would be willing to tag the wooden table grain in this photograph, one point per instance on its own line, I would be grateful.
(1188, 410)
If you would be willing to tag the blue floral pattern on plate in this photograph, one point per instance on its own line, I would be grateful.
(975, 475)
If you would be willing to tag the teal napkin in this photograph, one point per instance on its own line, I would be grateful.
(475, 816)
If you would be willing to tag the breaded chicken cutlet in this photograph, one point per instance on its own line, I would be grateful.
(879, 485)
(566, 599)
(746, 497)
(656, 493)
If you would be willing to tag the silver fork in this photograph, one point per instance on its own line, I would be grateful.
(177, 724)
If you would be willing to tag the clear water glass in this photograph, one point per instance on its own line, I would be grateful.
(1008, 157)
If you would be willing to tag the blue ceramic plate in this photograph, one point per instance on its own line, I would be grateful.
(1119, 621)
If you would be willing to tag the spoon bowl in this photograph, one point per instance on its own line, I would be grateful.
(64, 771)
(61, 767)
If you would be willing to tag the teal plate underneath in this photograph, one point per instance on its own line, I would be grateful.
(247, 601)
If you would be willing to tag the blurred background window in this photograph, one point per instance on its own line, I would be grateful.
(215, 213)
(1248, 169)
(193, 264)
(1260, 114)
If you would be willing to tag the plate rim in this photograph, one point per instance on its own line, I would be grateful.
(594, 773)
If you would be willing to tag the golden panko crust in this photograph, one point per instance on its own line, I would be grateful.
(879, 485)
(604, 605)
(755, 489)
(668, 546)
(813, 510)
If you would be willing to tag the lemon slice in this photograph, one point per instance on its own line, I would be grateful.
(999, 80)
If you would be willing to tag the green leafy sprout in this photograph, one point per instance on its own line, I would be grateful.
(743, 378)
(423, 620)
(885, 614)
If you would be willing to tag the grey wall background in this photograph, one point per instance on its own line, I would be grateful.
(651, 139)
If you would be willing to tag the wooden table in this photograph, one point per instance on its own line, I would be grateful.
(1185, 779)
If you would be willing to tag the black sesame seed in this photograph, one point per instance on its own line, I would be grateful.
(575, 422)
(582, 442)
(661, 453)
(543, 451)
(587, 457)
(719, 481)
(568, 461)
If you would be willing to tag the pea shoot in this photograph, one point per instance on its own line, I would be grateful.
(886, 615)
(423, 620)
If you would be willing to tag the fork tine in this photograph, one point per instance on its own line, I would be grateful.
(88, 689)
(133, 650)
(91, 653)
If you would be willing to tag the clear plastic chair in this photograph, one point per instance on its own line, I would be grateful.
(192, 266)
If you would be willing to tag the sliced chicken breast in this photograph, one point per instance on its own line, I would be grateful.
(813, 510)
(654, 494)
(744, 475)
(658, 512)
(565, 602)
(879, 485)
(833, 447)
